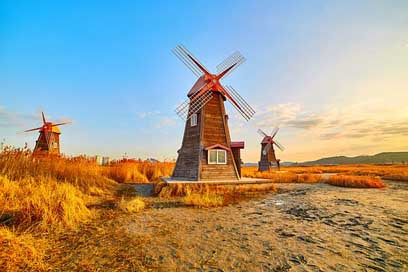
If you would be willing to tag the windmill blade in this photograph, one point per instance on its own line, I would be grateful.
(199, 103)
(193, 105)
(263, 134)
(187, 62)
(183, 109)
(28, 130)
(267, 148)
(238, 97)
(239, 103)
(43, 118)
(275, 130)
(190, 61)
(194, 59)
(60, 124)
(280, 146)
(230, 64)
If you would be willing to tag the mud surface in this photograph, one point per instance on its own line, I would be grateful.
(302, 228)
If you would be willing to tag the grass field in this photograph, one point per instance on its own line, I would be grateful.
(42, 199)
(310, 174)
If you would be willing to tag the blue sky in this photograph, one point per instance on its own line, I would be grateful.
(332, 74)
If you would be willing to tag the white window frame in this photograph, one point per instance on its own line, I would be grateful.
(193, 120)
(218, 151)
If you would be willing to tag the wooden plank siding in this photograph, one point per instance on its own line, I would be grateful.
(187, 164)
(41, 146)
(212, 128)
(265, 162)
(236, 152)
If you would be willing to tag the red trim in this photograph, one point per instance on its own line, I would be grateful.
(238, 144)
(219, 146)
(266, 140)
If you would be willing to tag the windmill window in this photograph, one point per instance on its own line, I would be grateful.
(217, 156)
(194, 120)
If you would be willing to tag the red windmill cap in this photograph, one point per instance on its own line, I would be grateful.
(267, 140)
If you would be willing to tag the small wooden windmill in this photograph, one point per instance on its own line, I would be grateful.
(48, 140)
(267, 150)
(207, 152)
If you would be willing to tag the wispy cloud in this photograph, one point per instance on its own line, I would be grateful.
(15, 119)
(143, 115)
(337, 123)
(166, 122)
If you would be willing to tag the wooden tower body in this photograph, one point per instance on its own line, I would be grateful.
(210, 132)
(207, 152)
(268, 155)
(264, 163)
(48, 143)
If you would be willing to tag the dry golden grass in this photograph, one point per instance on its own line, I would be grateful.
(80, 172)
(210, 195)
(381, 170)
(42, 202)
(138, 171)
(181, 189)
(355, 181)
(281, 176)
(126, 172)
(53, 195)
(21, 252)
(397, 177)
(309, 178)
(203, 200)
(53, 192)
(397, 172)
(133, 205)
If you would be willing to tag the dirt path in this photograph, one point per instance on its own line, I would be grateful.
(302, 228)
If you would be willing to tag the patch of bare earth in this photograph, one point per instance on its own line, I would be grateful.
(304, 227)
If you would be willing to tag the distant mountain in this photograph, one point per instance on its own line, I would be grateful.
(385, 157)
(380, 158)
(248, 164)
(256, 164)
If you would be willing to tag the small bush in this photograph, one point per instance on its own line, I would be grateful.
(21, 252)
(134, 205)
(356, 181)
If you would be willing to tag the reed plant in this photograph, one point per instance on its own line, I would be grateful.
(356, 181)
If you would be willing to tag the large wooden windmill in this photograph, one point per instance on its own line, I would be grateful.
(207, 152)
(48, 141)
(267, 150)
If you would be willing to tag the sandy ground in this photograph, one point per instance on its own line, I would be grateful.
(302, 228)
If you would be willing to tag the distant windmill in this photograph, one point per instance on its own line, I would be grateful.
(267, 150)
(48, 140)
(207, 151)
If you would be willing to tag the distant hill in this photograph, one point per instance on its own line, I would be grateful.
(248, 164)
(385, 157)
(380, 158)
